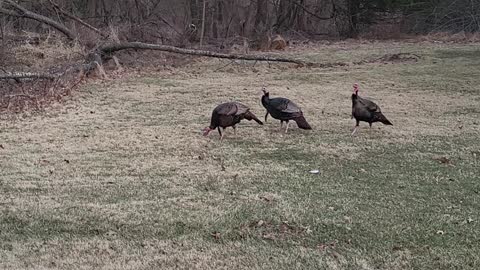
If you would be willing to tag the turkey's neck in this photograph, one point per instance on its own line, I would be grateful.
(354, 99)
(265, 100)
(213, 123)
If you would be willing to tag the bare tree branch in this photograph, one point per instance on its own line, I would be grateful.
(23, 12)
(75, 18)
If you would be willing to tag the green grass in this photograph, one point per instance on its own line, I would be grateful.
(120, 176)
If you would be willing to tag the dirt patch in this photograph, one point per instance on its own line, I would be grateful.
(392, 58)
(387, 58)
(399, 57)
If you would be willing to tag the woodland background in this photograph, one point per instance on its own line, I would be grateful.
(178, 22)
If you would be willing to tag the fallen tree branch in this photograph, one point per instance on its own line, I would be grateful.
(23, 12)
(108, 50)
(27, 75)
(75, 18)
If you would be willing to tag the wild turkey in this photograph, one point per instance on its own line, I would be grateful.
(365, 110)
(284, 110)
(228, 115)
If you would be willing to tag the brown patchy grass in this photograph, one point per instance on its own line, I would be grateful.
(120, 177)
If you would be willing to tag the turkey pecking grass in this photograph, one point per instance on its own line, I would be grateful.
(228, 115)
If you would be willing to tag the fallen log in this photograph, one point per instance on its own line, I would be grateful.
(107, 51)
(27, 75)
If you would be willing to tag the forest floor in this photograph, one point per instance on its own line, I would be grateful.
(119, 176)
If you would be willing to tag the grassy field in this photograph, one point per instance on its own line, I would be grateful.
(120, 177)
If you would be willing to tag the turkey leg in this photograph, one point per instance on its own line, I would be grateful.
(220, 132)
(356, 128)
(286, 129)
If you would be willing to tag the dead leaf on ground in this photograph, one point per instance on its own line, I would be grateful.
(110, 233)
(216, 235)
(266, 198)
(347, 219)
(443, 160)
(285, 227)
(43, 162)
(325, 246)
(269, 236)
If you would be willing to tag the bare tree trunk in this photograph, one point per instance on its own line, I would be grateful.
(261, 18)
(285, 10)
(2, 28)
(194, 12)
(202, 33)
(353, 9)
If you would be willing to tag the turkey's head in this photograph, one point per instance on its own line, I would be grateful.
(206, 131)
(355, 88)
(265, 92)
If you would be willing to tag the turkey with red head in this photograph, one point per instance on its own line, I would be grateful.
(365, 110)
(228, 115)
(284, 110)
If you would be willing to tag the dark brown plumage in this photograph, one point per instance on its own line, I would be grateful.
(228, 115)
(284, 110)
(366, 111)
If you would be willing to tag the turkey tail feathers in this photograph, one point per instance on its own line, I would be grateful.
(381, 118)
(387, 122)
(302, 122)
